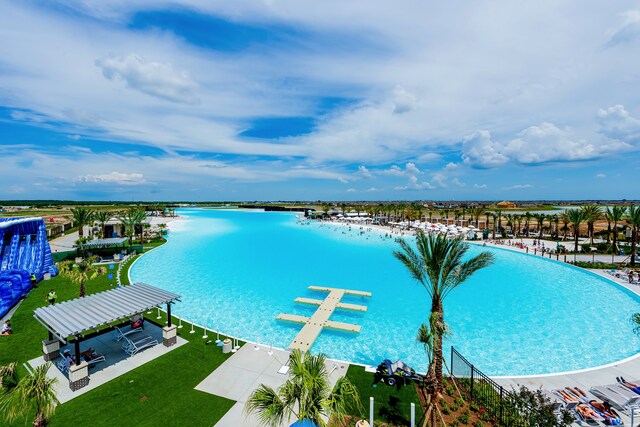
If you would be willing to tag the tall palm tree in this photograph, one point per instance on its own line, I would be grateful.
(555, 218)
(575, 218)
(614, 215)
(81, 217)
(307, 395)
(439, 266)
(34, 392)
(495, 217)
(591, 215)
(564, 217)
(498, 215)
(633, 219)
(527, 220)
(540, 217)
(102, 217)
(81, 273)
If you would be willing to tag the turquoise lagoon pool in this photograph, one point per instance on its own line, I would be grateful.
(237, 270)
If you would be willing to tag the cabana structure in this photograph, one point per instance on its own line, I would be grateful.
(96, 314)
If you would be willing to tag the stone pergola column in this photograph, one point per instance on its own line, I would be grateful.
(169, 335)
(78, 376)
(50, 349)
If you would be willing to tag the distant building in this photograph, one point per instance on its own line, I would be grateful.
(506, 205)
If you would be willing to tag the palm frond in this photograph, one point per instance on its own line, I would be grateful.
(266, 404)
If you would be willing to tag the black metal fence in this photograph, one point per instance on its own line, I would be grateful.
(491, 396)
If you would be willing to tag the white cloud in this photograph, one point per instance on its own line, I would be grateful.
(371, 190)
(518, 187)
(409, 169)
(343, 180)
(480, 186)
(114, 178)
(153, 78)
(415, 184)
(364, 172)
(457, 182)
(479, 150)
(428, 158)
(627, 31)
(544, 143)
(351, 190)
(403, 101)
(616, 123)
(600, 175)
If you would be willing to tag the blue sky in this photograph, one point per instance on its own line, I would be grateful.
(333, 100)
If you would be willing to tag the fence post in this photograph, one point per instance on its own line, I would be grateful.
(413, 415)
(501, 406)
(472, 369)
(371, 411)
(452, 370)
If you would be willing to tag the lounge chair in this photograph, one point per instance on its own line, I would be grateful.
(119, 333)
(132, 347)
(615, 398)
(622, 390)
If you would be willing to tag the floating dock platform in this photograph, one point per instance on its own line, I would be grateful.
(320, 319)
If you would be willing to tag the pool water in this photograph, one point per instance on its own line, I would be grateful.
(237, 270)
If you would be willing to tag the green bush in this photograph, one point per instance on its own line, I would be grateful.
(463, 418)
(479, 424)
(474, 407)
(455, 423)
(459, 401)
(445, 410)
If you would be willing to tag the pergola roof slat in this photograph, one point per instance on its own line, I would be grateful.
(82, 314)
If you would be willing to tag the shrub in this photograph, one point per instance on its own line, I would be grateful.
(463, 418)
(479, 424)
(474, 407)
(454, 423)
(459, 401)
(445, 410)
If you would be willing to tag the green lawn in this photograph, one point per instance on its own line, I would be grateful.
(391, 404)
(160, 392)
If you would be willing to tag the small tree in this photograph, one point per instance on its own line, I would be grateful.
(81, 273)
(536, 409)
(307, 395)
(34, 392)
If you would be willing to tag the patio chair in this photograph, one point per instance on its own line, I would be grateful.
(119, 333)
(133, 347)
(615, 398)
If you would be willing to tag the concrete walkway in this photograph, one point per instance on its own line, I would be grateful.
(117, 361)
(243, 372)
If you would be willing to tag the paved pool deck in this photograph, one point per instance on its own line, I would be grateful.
(245, 370)
(117, 361)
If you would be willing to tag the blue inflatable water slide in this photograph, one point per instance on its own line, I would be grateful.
(24, 250)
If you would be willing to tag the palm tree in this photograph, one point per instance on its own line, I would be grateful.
(575, 217)
(556, 221)
(305, 396)
(439, 266)
(540, 217)
(633, 218)
(564, 217)
(498, 215)
(614, 215)
(82, 273)
(8, 377)
(495, 217)
(81, 217)
(527, 220)
(591, 215)
(34, 392)
(102, 217)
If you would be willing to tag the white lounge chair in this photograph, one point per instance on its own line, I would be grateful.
(615, 398)
(119, 333)
(133, 346)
